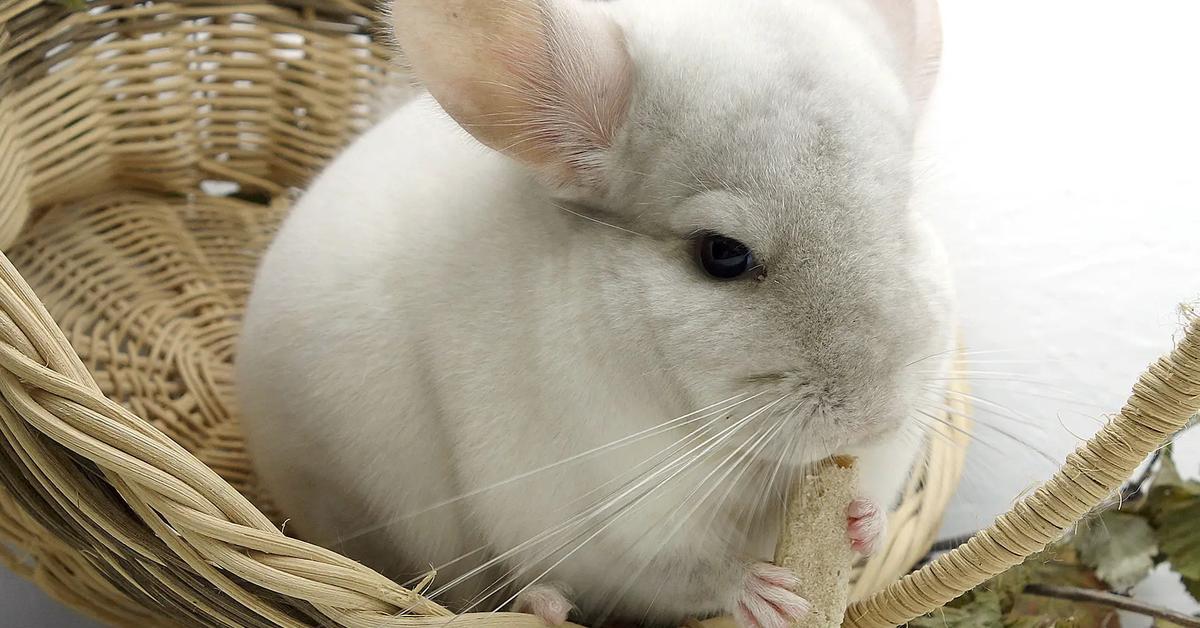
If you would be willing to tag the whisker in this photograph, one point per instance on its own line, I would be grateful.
(938, 398)
(550, 532)
(409, 584)
(596, 505)
(1012, 415)
(960, 353)
(746, 454)
(1004, 378)
(604, 504)
(626, 440)
(794, 452)
(828, 449)
(976, 362)
(621, 512)
(786, 453)
(1079, 403)
(691, 188)
(1045, 456)
(598, 221)
(1040, 425)
(934, 431)
(960, 430)
(747, 513)
(665, 453)
(784, 456)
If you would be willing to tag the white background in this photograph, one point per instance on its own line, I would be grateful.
(1067, 184)
(1067, 181)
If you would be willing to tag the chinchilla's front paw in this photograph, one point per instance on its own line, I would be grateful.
(768, 598)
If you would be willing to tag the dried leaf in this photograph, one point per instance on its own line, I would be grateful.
(1177, 517)
(1116, 551)
(1173, 506)
(1058, 565)
(1169, 492)
(1042, 612)
(977, 609)
(1064, 569)
(1120, 548)
(1036, 622)
(1193, 586)
(1167, 473)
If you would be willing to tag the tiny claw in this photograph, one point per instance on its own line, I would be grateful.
(768, 598)
(545, 601)
(866, 525)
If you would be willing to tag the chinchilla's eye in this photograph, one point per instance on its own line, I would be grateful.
(725, 258)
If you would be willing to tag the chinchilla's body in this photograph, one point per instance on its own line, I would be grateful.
(576, 317)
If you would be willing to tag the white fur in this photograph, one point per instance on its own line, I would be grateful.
(430, 321)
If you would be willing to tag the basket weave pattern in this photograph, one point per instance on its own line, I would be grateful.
(110, 122)
(124, 490)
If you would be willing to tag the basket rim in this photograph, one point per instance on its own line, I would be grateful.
(210, 524)
(51, 405)
(1165, 397)
(205, 520)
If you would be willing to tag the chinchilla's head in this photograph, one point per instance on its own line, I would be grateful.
(751, 165)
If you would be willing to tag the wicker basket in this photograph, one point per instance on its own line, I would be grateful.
(124, 490)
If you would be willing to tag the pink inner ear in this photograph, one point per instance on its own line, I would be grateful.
(584, 98)
(917, 28)
(594, 65)
(546, 81)
(928, 43)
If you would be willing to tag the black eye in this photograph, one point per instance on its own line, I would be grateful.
(725, 258)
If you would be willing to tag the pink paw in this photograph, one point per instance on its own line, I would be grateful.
(768, 599)
(545, 601)
(866, 524)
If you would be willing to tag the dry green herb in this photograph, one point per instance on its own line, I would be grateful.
(1111, 552)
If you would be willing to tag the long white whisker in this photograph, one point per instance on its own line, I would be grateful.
(765, 490)
(1002, 378)
(793, 448)
(410, 583)
(1078, 403)
(784, 456)
(948, 425)
(592, 512)
(755, 451)
(934, 431)
(746, 454)
(627, 508)
(667, 455)
(996, 408)
(960, 353)
(599, 222)
(621, 442)
(1045, 456)
(669, 451)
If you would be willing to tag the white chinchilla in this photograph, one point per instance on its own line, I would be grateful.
(566, 325)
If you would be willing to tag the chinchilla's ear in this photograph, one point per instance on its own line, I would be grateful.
(544, 81)
(916, 27)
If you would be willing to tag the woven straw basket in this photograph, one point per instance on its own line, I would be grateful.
(124, 490)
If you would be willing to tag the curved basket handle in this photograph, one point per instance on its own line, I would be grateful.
(1163, 400)
(207, 533)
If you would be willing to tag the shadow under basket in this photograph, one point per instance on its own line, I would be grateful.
(124, 488)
